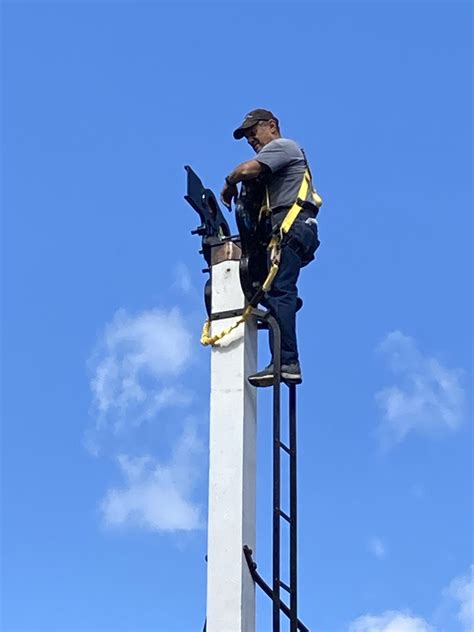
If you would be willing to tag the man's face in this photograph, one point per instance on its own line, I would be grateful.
(260, 134)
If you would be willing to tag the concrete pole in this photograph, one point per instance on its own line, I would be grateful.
(232, 472)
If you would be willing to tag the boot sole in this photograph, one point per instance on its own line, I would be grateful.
(261, 382)
(291, 379)
(292, 382)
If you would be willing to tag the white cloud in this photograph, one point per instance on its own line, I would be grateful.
(390, 621)
(428, 398)
(462, 590)
(137, 369)
(133, 364)
(157, 496)
(378, 548)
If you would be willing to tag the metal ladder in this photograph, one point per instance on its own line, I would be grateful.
(267, 321)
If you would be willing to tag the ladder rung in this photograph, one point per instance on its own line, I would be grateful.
(285, 587)
(285, 516)
(285, 447)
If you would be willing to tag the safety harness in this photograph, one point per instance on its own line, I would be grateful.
(274, 248)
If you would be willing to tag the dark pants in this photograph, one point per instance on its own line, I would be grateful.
(297, 250)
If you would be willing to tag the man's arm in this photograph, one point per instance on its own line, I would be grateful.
(245, 171)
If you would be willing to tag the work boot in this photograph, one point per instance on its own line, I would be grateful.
(291, 373)
(263, 377)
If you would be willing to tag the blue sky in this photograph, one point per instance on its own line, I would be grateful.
(105, 385)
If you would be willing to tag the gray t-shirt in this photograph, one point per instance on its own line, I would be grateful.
(287, 164)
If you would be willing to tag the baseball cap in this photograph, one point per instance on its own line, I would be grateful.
(251, 119)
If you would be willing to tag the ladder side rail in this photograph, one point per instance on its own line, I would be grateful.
(276, 471)
(293, 513)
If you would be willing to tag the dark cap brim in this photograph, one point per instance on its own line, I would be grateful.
(252, 119)
(240, 131)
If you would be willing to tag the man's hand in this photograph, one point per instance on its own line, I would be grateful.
(246, 171)
(229, 193)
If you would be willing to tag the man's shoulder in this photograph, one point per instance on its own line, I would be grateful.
(285, 144)
(282, 153)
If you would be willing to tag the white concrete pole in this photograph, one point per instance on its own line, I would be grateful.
(232, 472)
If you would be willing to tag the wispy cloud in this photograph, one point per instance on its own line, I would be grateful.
(134, 363)
(136, 380)
(182, 279)
(157, 496)
(427, 398)
(461, 590)
(390, 621)
(378, 548)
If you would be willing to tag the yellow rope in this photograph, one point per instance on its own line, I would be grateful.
(206, 339)
(274, 247)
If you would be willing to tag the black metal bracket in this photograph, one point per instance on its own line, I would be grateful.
(230, 313)
(214, 228)
(258, 579)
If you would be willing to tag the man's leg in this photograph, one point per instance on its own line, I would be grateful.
(282, 302)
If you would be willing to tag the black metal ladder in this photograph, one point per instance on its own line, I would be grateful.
(266, 321)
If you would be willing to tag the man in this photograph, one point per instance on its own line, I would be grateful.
(281, 164)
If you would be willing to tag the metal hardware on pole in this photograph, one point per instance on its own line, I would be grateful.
(258, 579)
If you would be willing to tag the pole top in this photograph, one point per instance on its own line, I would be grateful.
(228, 251)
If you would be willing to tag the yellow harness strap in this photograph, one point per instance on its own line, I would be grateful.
(275, 243)
(298, 204)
